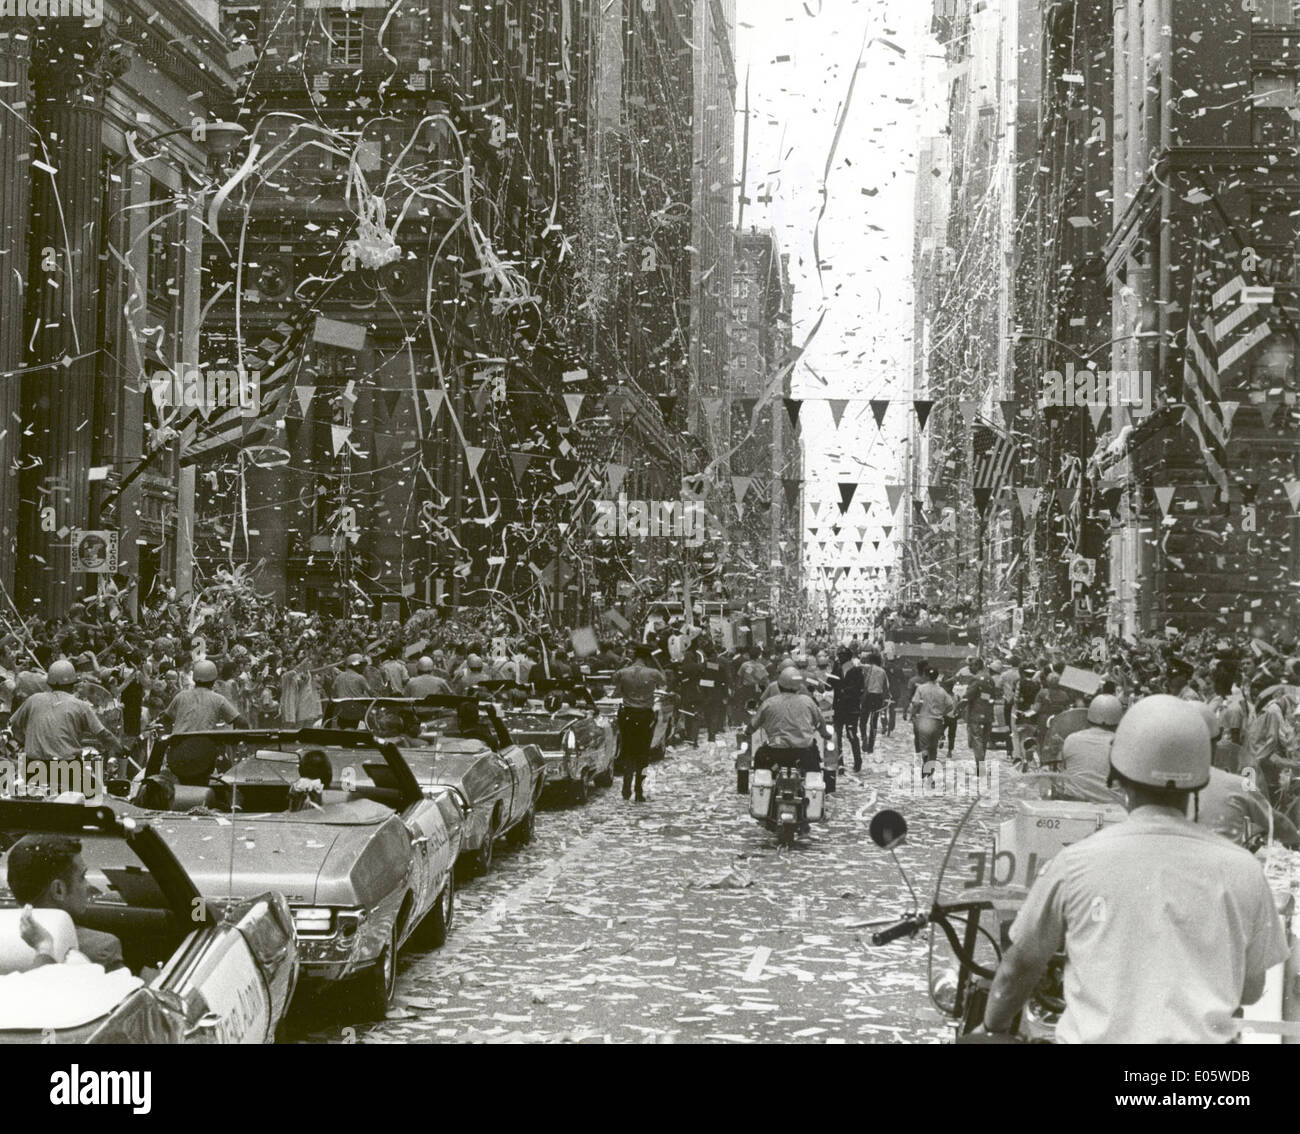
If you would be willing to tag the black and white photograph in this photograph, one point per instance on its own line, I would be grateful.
(729, 522)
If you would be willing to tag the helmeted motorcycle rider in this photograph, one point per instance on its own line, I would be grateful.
(1167, 927)
(1085, 755)
(55, 725)
(791, 723)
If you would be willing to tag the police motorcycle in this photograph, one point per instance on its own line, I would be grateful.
(967, 922)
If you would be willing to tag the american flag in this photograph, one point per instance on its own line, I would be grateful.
(275, 360)
(992, 455)
(1221, 333)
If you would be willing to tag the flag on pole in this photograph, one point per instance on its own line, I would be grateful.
(992, 454)
(271, 366)
(1222, 331)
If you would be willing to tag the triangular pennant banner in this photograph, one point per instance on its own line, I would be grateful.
(1165, 497)
(339, 435)
(923, 406)
(1008, 407)
(878, 408)
(473, 455)
(1208, 494)
(573, 403)
(614, 474)
(434, 400)
(1095, 410)
(744, 406)
(847, 489)
(886, 531)
(838, 406)
(519, 465)
(480, 397)
(792, 407)
(739, 486)
(712, 407)
(667, 403)
(895, 494)
(1293, 493)
(391, 399)
(1229, 412)
(304, 395)
(967, 412)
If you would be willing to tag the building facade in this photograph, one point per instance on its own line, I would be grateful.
(1141, 157)
(764, 554)
(108, 169)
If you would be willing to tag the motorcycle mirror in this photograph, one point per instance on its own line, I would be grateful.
(888, 829)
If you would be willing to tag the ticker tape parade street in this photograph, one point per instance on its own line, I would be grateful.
(650, 521)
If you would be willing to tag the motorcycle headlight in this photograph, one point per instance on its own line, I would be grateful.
(943, 991)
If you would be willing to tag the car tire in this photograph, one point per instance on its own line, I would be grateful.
(432, 931)
(376, 984)
(583, 787)
(522, 832)
(606, 778)
(742, 781)
(483, 856)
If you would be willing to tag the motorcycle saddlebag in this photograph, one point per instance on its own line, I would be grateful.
(814, 786)
(760, 793)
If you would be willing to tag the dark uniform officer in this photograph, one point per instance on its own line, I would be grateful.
(636, 685)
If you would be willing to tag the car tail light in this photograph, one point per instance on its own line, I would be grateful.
(313, 920)
(349, 921)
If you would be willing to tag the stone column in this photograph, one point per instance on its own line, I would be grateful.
(70, 71)
(15, 201)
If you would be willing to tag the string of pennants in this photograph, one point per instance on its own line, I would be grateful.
(1009, 408)
(1114, 495)
(837, 406)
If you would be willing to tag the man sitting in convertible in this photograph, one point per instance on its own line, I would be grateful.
(47, 871)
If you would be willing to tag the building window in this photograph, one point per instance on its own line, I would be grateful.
(161, 267)
(345, 35)
(1277, 12)
(1274, 99)
(239, 23)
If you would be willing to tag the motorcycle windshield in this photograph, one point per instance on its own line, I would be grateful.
(979, 891)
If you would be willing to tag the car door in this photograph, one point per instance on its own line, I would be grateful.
(430, 851)
(217, 964)
(514, 792)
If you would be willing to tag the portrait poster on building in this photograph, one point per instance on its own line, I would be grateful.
(94, 552)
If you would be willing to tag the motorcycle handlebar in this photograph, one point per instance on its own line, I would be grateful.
(908, 927)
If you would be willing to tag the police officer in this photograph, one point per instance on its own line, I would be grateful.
(636, 685)
(980, 694)
(56, 724)
(351, 682)
(1168, 927)
(1085, 755)
(426, 683)
(791, 723)
(202, 708)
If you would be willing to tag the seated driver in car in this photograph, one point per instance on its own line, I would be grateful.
(472, 726)
(47, 872)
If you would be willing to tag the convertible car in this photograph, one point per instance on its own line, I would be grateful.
(223, 975)
(462, 744)
(364, 856)
(576, 740)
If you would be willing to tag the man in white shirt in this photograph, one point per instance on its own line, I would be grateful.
(1167, 927)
